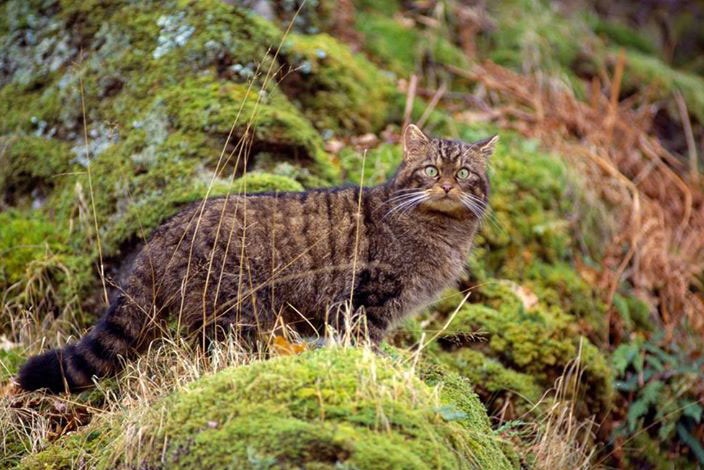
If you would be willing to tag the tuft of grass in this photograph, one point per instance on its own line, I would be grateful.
(559, 437)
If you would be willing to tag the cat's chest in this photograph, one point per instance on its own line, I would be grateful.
(428, 262)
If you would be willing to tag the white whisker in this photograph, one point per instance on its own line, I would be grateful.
(404, 197)
(482, 210)
(408, 204)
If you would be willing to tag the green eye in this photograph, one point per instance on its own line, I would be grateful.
(463, 174)
(431, 171)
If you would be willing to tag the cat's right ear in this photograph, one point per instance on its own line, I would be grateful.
(414, 143)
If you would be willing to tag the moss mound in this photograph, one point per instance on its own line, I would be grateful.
(329, 408)
(533, 346)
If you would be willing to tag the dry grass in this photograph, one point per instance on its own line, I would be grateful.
(171, 363)
(558, 438)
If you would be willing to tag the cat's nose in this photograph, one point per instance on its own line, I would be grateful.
(447, 187)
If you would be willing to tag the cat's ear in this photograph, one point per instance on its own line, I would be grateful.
(414, 142)
(485, 147)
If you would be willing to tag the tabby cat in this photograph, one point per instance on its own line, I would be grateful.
(249, 264)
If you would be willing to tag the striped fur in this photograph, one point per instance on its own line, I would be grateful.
(250, 264)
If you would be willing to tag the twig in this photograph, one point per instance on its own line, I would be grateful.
(410, 96)
(689, 135)
(615, 91)
(433, 103)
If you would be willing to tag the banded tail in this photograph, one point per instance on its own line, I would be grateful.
(71, 369)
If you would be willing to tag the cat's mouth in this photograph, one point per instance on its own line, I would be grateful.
(448, 196)
(446, 202)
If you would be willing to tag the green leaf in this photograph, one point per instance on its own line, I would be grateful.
(655, 363)
(693, 410)
(635, 411)
(692, 442)
(660, 353)
(651, 392)
(666, 430)
(630, 385)
(623, 356)
(647, 397)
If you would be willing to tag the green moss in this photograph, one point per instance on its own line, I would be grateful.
(560, 285)
(386, 8)
(532, 35)
(31, 245)
(528, 209)
(23, 239)
(27, 111)
(402, 48)
(203, 104)
(329, 408)
(495, 383)
(335, 88)
(31, 166)
(459, 391)
(520, 348)
(10, 360)
(256, 182)
(130, 195)
(379, 163)
(319, 408)
(73, 450)
(634, 313)
(621, 35)
(664, 80)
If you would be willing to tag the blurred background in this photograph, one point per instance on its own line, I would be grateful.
(113, 114)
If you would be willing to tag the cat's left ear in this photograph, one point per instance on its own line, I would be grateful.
(485, 147)
(414, 143)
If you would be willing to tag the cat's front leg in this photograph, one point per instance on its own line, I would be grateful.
(379, 321)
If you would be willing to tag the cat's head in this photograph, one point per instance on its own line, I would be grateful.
(442, 175)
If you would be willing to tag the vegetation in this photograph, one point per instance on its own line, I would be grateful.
(573, 341)
(343, 407)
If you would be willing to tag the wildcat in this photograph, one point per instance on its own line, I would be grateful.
(252, 263)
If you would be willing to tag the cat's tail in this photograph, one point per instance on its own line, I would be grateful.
(97, 354)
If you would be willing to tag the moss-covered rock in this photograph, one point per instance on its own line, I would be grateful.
(520, 350)
(162, 88)
(257, 182)
(38, 262)
(328, 408)
(403, 48)
(379, 163)
(500, 387)
(30, 167)
(335, 88)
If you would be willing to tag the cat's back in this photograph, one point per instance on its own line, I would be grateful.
(311, 227)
